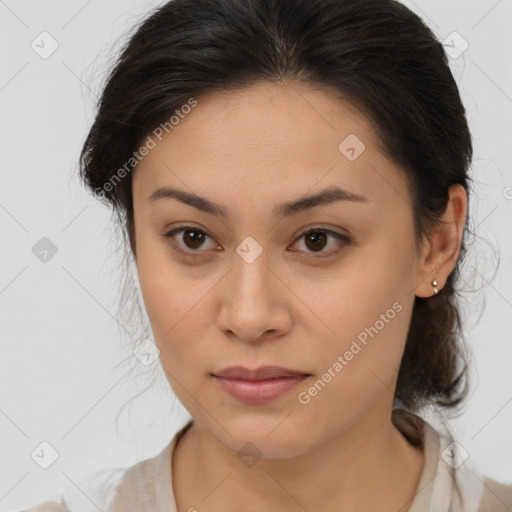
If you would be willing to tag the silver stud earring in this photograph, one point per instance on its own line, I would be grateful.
(434, 284)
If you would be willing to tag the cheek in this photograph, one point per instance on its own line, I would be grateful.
(176, 305)
(359, 368)
(156, 288)
(369, 310)
(163, 291)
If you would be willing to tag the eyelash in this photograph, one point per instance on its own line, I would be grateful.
(344, 240)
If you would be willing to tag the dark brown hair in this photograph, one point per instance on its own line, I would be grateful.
(377, 54)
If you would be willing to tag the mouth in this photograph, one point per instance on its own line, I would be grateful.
(258, 386)
(261, 373)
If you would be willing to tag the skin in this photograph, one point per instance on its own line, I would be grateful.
(250, 150)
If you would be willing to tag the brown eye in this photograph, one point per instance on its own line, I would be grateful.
(192, 241)
(317, 239)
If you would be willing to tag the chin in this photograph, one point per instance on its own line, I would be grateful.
(261, 438)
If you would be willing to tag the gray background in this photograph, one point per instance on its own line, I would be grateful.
(67, 364)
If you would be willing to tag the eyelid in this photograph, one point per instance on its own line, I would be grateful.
(191, 254)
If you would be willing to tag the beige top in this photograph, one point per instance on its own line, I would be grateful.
(147, 485)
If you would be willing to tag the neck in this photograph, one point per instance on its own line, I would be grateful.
(370, 466)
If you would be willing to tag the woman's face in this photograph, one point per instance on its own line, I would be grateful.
(253, 288)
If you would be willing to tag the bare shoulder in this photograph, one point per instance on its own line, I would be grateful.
(496, 497)
(48, 506)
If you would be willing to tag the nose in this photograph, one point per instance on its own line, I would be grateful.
(253, 301)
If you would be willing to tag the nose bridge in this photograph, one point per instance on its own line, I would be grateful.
(250, 274)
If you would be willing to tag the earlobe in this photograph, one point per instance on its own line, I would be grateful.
(430, 283)
(442, 248)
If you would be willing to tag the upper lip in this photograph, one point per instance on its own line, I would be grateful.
(261, 373)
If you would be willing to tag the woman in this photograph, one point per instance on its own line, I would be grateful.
(292, 178)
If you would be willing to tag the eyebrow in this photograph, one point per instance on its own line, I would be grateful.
(326, 196)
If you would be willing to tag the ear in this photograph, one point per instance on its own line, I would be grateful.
(442, 248)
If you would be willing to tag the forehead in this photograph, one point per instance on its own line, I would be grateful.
(283, 138)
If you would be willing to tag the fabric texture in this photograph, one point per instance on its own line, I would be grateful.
(447, 482)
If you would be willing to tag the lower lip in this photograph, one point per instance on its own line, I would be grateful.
(259, 391)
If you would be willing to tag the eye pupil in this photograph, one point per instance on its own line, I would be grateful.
(314, 238)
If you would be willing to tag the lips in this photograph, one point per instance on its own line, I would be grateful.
(262, 373)
(258, 386)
